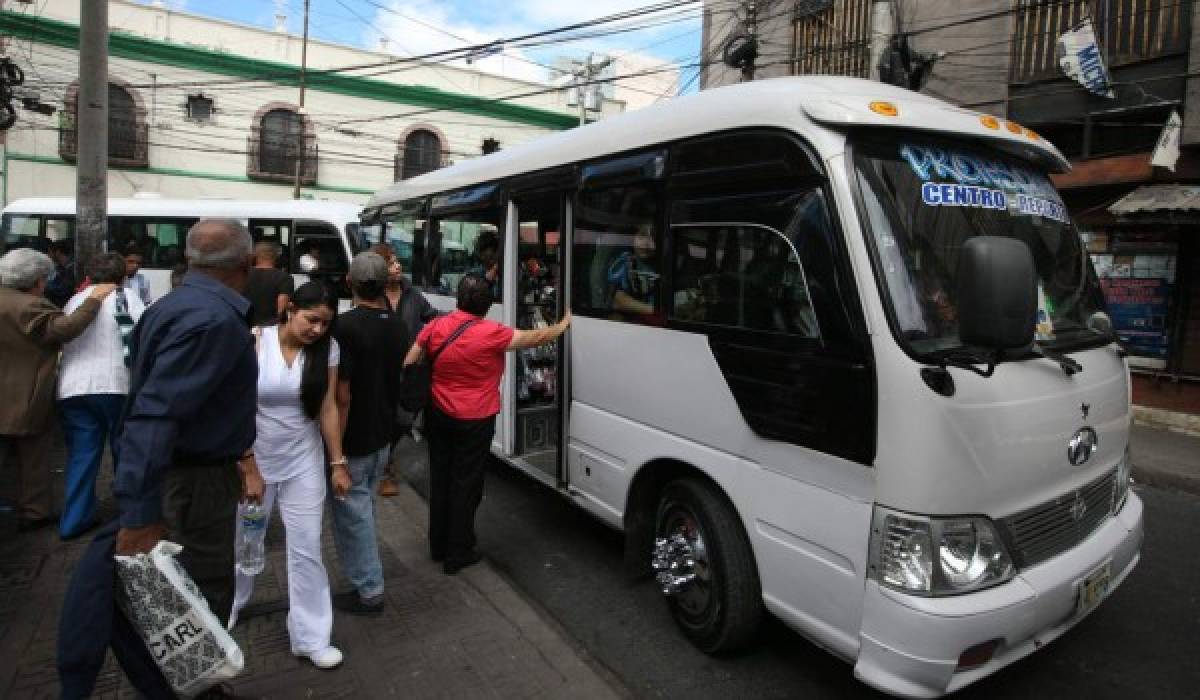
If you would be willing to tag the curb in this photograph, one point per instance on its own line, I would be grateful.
(1160, 478)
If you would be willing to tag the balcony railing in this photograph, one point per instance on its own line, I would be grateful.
(275, 157)
(1128, 31)
(833, 41)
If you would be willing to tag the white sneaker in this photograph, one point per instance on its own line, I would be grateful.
(329, 657)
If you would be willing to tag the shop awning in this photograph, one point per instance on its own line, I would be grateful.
(1152, 199)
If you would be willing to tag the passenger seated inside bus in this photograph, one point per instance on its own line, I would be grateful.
(632, 279)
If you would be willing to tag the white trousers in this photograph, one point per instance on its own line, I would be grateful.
(310, 610)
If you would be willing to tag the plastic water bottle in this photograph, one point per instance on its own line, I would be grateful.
(250, 554)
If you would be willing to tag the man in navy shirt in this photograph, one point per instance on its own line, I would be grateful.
(189, 420)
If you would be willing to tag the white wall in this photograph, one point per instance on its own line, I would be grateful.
(188, 158)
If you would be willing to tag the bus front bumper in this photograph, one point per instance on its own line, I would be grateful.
(910, 646)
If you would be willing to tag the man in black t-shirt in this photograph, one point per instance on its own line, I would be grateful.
(268, 288)
(372, 348)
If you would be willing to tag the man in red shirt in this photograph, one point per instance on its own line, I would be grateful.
(468, 352)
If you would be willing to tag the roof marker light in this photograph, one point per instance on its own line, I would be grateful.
(1014, 127)
(990, 122)
(1033, 134)
(886, 109)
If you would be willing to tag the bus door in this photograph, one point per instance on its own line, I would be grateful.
(538, 381)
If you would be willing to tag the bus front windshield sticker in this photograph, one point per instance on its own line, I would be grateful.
(956, 179)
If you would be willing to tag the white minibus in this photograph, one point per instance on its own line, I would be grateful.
(838, 354)
(156, 227)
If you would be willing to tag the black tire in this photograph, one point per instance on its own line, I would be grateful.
(720, 612)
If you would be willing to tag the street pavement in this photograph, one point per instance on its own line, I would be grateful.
(467, 636)
(1167, 459)
(550, 612)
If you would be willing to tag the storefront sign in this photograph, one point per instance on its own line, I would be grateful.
(1138, 308)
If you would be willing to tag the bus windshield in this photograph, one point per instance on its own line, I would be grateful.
(925, 198)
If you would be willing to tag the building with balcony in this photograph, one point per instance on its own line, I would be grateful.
(1141, 222)
(202, 107)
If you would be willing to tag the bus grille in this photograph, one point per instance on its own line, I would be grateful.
(1055, 526)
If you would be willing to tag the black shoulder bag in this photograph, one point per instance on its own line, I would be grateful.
(417, 386)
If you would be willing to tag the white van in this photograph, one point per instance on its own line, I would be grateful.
(838, 354)
(156, 228)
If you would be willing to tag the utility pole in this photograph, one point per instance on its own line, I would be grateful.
(883, 27)
(300, 140)
(584, 75)
(741, 48)
(91, 135)
(752, 39)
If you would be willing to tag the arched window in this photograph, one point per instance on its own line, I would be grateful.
(280, 139)
(422, 153)
(127, 128)
(122, 124)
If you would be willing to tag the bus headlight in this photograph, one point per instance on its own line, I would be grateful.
(1124, 476)
(937, 556)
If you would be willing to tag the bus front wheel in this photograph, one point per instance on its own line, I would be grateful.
(704, 565)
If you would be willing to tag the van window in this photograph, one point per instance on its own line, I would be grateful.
(401, 229)
(318, 252)
(740, 275)
(468, 242)
(21, 231)
(277, 231)
(617, 254)
(160, 241)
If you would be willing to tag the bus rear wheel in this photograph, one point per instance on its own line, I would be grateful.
(704, 566)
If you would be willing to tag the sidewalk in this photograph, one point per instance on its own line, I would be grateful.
(465, 636)
(1166, 459)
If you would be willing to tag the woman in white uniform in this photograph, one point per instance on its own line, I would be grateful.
(297, 379)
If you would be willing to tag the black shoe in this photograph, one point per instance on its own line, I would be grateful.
(31, 524)
(454, 565)
(350, 602)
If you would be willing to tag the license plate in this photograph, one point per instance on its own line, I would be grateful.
(1094, 588)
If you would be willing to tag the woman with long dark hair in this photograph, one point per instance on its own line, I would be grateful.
(297, 380)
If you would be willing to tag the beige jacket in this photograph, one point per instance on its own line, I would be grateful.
(32, 331)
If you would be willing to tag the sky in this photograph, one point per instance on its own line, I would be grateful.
(416, 27)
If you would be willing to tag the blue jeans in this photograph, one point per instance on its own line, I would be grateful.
(87, 421)
(354, 525)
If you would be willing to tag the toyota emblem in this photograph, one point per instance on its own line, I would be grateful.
(1082, 446)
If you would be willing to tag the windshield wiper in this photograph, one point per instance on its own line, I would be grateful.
(1068, 364)
(939, 379)
(963, 358)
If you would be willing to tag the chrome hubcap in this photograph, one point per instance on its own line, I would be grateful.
(674, 563)
(681, 562)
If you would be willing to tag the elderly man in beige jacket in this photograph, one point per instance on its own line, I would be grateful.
(32, 330)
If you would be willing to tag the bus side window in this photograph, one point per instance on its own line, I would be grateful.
(21, 231)
(320, 254)
(740, 275)
(276, 231)
(617, 254)
(60, 228)
(744, 262)
(160, 242)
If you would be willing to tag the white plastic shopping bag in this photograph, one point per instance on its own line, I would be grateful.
(188, 643)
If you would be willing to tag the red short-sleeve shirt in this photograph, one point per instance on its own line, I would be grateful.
(466, 376)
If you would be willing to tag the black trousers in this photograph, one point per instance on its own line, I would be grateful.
(458, 452)
(200, 510)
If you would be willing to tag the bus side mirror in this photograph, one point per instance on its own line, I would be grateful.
(997, 294)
